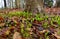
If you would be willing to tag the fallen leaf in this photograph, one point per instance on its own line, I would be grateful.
(17, 35)
(2, 24)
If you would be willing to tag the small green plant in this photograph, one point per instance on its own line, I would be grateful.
(46, 37)
(22, 27)
(51, 22)
(45, 24)
(58, 22)
(58, 32)
(46, 16)
(25, 29)
(38, 18)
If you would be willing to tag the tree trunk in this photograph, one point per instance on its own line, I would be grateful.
(12, 4)
(5, 4)
(34, 5)
(58, 3)
(22, 4)
(17, 3)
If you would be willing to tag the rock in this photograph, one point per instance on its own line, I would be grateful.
(40, 28)
(17, 35)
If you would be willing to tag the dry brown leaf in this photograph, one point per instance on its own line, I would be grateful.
(2, 24)
(17, 35)
(58, 37)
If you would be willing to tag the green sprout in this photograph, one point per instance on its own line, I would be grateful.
(45, 25)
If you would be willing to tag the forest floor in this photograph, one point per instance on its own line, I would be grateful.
(52, 10)
(47, 10)
(16, 24)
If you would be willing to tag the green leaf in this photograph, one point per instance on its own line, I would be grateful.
(58, 22)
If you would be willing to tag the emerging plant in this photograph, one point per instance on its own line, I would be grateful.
(45, 25)
(38, 18)
(25, 28)
(46, 35)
